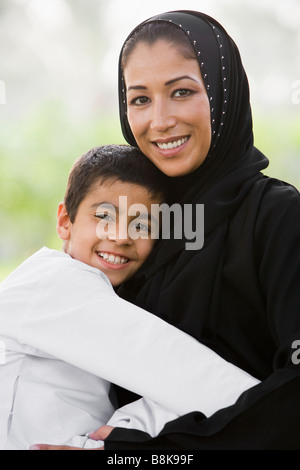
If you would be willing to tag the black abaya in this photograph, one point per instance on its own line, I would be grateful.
(240, 293)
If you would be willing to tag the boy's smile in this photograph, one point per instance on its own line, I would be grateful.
(103, 234)
(112, 258)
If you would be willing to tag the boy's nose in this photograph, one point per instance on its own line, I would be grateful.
(121, 240)
(120, 236)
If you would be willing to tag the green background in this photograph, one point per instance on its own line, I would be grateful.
(59, 68)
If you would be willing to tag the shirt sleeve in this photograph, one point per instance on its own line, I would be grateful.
(144, 415)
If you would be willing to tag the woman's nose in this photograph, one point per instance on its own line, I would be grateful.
(162, 117)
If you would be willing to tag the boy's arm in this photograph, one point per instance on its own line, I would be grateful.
(144, 415)
(74, 315)
(86, 324)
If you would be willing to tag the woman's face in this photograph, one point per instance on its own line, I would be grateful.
(168, 108)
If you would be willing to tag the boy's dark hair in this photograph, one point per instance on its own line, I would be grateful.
(119, 162)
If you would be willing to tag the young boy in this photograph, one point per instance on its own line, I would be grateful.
(41, 396)
(65, 336)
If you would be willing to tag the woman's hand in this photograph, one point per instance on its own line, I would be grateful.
(100, 435)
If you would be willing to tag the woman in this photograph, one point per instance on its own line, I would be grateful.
(184, 100)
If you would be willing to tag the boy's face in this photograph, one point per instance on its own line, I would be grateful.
(104, 234)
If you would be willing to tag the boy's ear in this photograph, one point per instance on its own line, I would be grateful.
(63, 226)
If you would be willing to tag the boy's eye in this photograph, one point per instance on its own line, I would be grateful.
(140, 227)
(138, 230)
(104, 216)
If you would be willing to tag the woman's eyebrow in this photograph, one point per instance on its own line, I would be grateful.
(137, 87)
(169, 82)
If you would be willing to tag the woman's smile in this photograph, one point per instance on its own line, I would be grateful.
(170, 147)
(168, 107)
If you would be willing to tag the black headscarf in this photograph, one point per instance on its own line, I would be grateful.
(239, 294)
(227, 88)
(220, 183)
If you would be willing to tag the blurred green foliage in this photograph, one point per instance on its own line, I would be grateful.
(35, 160)
(36, 156)
(59, 62)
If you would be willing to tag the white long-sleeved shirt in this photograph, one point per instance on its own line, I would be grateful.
(66, 336)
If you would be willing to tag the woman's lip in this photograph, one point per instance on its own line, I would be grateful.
(170, 139)
(173, 151)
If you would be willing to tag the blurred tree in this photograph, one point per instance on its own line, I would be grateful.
(56, 59)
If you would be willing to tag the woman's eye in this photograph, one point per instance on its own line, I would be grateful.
(182, 92)
(140, 100)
